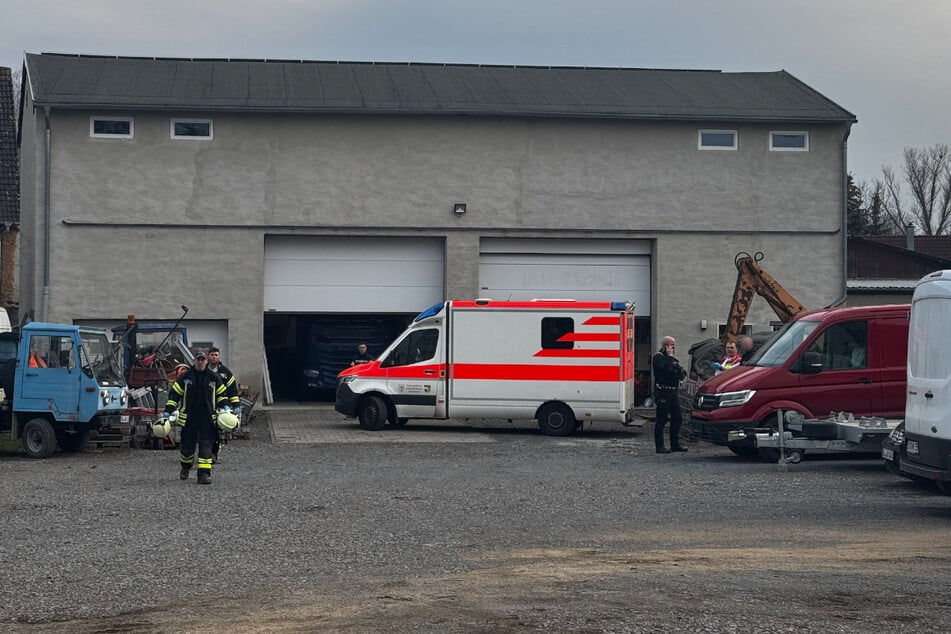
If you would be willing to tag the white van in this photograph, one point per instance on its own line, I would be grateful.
(926, 451)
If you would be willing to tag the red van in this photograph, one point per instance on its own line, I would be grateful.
(829, 360)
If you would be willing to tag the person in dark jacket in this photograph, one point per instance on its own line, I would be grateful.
(197, 394)
(362, 355)
(667, 376)
(231, 390)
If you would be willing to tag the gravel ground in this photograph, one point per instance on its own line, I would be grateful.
(590, 533)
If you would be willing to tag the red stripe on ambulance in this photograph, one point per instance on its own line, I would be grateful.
(522, 372)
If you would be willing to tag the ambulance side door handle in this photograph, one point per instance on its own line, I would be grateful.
(429, 372)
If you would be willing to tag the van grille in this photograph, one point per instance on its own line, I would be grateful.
(706, 401)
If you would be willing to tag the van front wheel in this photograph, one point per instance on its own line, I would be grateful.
(372, 413)
(556, 419)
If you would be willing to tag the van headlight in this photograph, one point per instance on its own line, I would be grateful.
(733, 399)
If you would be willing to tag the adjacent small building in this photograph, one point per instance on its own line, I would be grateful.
(886, 269)
(9, 196)
(280, 199)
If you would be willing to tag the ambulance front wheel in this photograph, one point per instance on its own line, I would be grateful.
(556, 419)
(371, 411)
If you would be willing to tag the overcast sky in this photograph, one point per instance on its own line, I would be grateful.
(886, 61)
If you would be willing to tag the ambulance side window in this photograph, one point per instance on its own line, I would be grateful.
(553, 329)
(418, 346)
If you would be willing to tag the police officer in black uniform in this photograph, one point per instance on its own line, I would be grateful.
(667, 376)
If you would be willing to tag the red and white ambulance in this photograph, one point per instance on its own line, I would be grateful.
(562, 362)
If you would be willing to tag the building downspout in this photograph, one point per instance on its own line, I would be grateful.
(845, 220)
(47, 215)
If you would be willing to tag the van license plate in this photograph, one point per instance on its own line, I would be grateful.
(887, 454)
(912, 446)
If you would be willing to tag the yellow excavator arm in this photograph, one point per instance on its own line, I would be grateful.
(752, 279)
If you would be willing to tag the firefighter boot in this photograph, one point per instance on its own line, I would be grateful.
(204, 477)
(183, 474)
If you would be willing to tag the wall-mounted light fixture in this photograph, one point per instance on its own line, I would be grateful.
(703, 324)
(459, 208)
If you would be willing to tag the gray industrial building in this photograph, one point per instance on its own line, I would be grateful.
(272, 197)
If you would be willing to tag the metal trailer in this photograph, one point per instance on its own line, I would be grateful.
(841, 432)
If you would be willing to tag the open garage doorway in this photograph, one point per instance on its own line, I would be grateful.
(305, 352)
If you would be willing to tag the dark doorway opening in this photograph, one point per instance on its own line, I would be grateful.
(306, 351)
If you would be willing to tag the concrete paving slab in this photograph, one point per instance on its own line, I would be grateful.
(321, 424)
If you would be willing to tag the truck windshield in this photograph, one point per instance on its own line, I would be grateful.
(778, 350)
(98, 360)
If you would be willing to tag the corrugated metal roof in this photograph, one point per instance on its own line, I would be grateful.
(9, 170)
(149, 83)
(882, 285)
(935, 246)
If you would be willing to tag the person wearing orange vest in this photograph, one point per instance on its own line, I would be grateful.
(36, 361)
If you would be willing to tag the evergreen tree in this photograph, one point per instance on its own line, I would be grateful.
(857, 221)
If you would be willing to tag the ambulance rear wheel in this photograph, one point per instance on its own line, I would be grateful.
(39, 439)
(556, 419)
(372, 413)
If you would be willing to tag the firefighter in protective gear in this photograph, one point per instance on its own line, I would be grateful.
(197, 394)
(231, 390)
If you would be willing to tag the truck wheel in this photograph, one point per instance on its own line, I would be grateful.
(39, 439)
(72, 443)
(556, 419)
(372, 413)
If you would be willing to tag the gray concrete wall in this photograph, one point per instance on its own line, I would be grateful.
(31, 204)
(400, 172)
(146, 224)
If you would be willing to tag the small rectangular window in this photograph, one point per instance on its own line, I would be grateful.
(717, 140)
(191, 129)
(111, 128)
(789, 141)
(553, 329)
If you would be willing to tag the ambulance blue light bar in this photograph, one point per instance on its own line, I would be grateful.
(429, 312)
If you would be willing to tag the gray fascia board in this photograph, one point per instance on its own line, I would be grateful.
(537, 112)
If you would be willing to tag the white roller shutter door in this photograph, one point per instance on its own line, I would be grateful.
(352, 275)
(602, 270)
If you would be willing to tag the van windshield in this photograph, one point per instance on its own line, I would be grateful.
(778, 349)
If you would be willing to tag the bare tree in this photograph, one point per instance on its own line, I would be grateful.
(927, 173)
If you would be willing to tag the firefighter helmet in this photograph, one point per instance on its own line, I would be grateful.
(227, 421)
(161, 428)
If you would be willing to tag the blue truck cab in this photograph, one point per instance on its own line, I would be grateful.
(63, 383)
